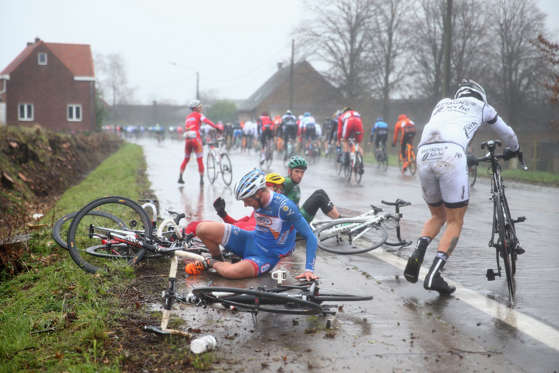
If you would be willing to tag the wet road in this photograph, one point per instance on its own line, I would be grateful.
(404, 324)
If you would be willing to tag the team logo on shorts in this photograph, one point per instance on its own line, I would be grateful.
(265, 267)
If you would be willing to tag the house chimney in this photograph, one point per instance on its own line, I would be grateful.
(280, 65)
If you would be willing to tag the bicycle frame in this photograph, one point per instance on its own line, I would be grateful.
(503, 231)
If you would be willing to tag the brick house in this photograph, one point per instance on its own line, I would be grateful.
(51, 84)
(311, 92)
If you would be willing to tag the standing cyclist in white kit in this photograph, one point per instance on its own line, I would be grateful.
(443, 172)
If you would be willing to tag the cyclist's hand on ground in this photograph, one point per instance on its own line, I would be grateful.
(508, 153)
(307, 276)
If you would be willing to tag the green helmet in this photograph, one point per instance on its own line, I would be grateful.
(297, 162)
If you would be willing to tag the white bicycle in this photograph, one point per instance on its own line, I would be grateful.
(360, 233)
(218, 161)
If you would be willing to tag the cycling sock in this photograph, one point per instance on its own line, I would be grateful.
(442, 255)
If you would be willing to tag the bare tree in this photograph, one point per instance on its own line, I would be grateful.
(338, 35)
(112, 78)
(389, 38)
(550, 52)
(427, 47)
(518, 63)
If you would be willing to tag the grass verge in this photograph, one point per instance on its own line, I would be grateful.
(53, 315)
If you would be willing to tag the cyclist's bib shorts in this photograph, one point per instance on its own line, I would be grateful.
(443, 173)
(193, 145)
(353, 127)
(242, 243)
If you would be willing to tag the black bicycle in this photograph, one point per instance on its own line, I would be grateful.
(304, 298)
(503, 233)
(381, 157)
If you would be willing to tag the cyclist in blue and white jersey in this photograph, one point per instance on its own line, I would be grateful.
(277, 220)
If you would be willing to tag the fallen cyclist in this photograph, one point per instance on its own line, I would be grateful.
(277, 219)
(319, 199)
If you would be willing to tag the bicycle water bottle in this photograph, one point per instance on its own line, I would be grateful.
(203, 344)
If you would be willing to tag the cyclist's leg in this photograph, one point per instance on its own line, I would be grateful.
(319, 200)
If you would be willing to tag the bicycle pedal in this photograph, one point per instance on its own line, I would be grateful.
(491, 275)
(520, 219)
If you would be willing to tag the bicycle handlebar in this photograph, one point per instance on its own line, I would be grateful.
(491, 145)
(399, 202)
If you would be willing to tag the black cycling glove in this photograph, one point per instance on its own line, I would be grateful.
(219, 205)
(508, 153)
(472, 160)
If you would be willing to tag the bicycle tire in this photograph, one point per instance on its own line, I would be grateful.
(57, 227)
(211, 170)
(412, 166)
(226, 169)
(504, 247)
(79, 236)
(472, 173)
(359, 164)
(342, 242)
(247, 300)
(326, 297)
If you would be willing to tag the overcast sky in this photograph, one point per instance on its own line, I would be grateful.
(234, 45)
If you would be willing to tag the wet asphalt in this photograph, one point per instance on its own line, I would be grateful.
(404, 328)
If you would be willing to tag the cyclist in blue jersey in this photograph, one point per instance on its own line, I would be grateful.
(380, 129)
(277, 220)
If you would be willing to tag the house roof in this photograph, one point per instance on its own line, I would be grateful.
(76, 57)
(274, 82)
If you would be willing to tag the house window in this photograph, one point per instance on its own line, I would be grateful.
(25, 112)
(74, 113)
(42, 58)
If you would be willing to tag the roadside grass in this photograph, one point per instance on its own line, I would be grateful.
(54, 316)
(530, 176)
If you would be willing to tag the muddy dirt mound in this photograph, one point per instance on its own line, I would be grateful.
(37, 166)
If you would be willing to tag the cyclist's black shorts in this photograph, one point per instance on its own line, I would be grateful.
(289, 132)
(380, 138)
(318, 200)
(310, 133)
(265, 135)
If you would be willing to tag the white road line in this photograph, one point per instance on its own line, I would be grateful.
(536, 329)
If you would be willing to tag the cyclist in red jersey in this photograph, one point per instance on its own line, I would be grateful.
(193, 140)
(349, 125)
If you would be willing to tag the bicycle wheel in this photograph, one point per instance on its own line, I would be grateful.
(211, 169)
(359, 168)
(412, 166)
(350, 236)
(326, 297)
(472, 173)
(88, 230)
(57, 227)
(226, 169)
(384, 165)
(247, 300)
(504, 246)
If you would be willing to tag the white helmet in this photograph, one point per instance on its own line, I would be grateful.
(469, 88)
(194, 104)
(249, 184)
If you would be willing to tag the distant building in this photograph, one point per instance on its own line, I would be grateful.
(52, 84)
(311, 92)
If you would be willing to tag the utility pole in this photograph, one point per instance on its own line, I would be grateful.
(291, 74)
(197, 85)
(447, 47)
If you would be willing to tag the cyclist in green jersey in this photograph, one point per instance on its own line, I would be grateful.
(318, 200)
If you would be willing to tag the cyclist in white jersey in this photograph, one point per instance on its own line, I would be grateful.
(443, 173)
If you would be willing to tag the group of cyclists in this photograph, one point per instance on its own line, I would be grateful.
(268, 234)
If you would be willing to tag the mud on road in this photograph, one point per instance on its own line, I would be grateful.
(385, 334)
